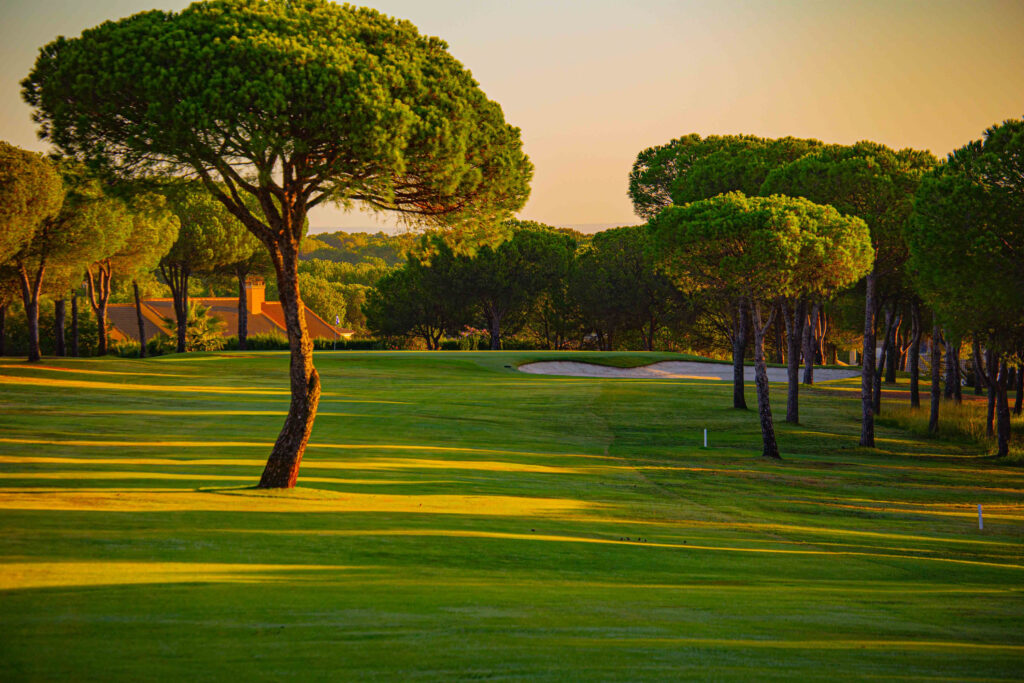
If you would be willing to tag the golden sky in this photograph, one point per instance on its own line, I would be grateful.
(592, 82)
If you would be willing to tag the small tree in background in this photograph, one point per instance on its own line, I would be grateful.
(756, 249)
(31, 191)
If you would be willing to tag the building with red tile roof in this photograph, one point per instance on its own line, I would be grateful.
(264, 317)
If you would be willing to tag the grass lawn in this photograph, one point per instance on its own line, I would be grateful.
(458, 519)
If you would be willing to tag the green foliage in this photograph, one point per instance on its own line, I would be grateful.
(323, 297)
(362, 107)
(203, 332)
(359, 247)
(966, 243)
(209, 236)
(867, 180)
(691, 168)
(31, 192)
(761, 248)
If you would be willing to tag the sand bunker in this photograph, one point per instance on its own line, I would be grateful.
(672, 369)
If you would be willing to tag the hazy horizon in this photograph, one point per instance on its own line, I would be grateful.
(592, 84)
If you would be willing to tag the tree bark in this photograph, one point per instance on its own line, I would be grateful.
(764, 409)
(887, 352)
(3, 329)
(176, 276)
(989, 373)
(494, 323)
(58, 328)
(97, 280)
(282, 469)
(30, 288)
(1002, 410)
(809, 345)
(780, 338)
(794, 318)
(914, 354)
(958, 392)
(739, 351)
(1018, 401)
(936, 390)
(74, 325)
(890, 356)
(138, 315)
(867, 371)
(243, 311)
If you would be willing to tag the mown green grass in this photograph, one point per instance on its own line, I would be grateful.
(457, 519)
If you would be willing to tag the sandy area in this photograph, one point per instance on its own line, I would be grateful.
(671, 370)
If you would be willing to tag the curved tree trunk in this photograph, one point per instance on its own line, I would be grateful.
(74, 325)
(764, 409)
(739, 351)
(914, 354)
(138, 315)
(867, 371)
(58, 328)
(936, 388)
(794, 317)
(282, 469)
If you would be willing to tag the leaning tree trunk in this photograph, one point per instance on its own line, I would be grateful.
(30, 288)
(282, 469)
(58, 328)
(243, 312)
(74, 325)
(138, 315)
(809, 338)
(764, 409)
(739, 350)
(936, 387)
(867, 371)
(794, 318)
(914, 354)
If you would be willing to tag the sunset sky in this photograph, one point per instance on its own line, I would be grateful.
(593, 82)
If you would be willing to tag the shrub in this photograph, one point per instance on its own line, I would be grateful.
(125, 349)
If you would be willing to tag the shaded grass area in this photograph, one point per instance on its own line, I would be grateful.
(458, 519)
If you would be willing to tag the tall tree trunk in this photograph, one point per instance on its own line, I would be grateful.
(58, 328)
(809, 345)
(494, 325)
(282, 469)
(97, 281)
(739, 351)
(1018, 400)
(887, 352)
(176, 276)
(138, 315)
(794, 315)
(950, 371)
(1002, 410)
(3, 329)
(890, 357)
(979, 383)
(914, 354)
(243, 311)
(958, 390)
(780, 338)
(764, 409)
(936, 369)
(30, 288)
(867, 371)
(74, 325)
(990, 372)
(650, 334)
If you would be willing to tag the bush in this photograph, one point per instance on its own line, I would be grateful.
(124, 349)
(161, 344)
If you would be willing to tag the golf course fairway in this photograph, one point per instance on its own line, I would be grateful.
(455, 518)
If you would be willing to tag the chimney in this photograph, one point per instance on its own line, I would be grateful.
(255, 293)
